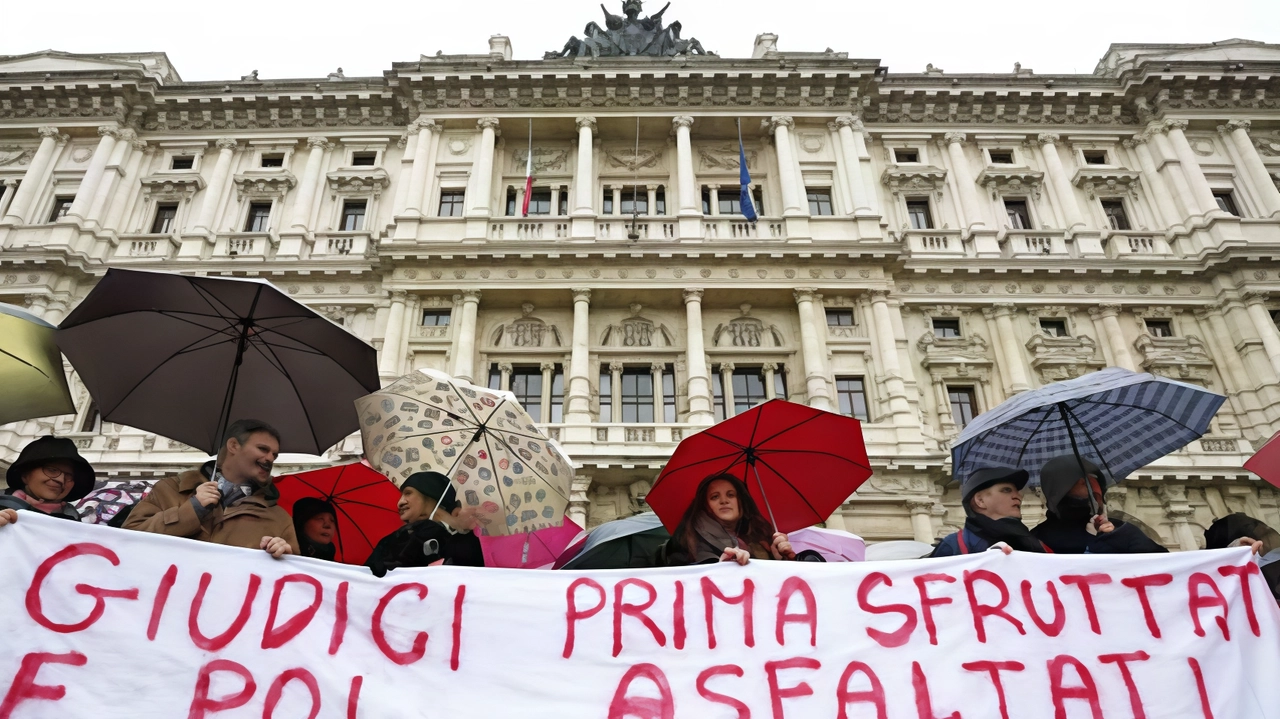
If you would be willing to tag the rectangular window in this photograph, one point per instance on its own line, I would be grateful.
(436, 318)
(668, 394)
(606, 203)
(165, 215)
(731, 199)
(905, 154)
(564, 203)
(495, 377)
(557, 396)
(606, 394)
(963, 405)
(182, 162)
(273, 160)
(637, 395)
(1001, 157)
(820, 201)
(1095, 157)
(512, 208)
(839, 318)
(706, 201)
(1019, 214)
(364, 159)
(1116, 216)
(259, 217)
(353, 215)
(526, 385)
(918, 213)
(946, 328)
(780, 382)
(1226, 202)
(748, 389)
(1160, 328)
(635, 200)
(60, 207)
(451, 202)
(539, 202)
(660, 202)
(1054, 328)
(853, 397)
(717, 395)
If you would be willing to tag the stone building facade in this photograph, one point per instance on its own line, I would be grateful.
(929, 244)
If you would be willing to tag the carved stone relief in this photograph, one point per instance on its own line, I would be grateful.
(723, 157)
(629, 159)
(1059, 358)
(545, 159)
(746, 331)
(526, 331)
(637, 331)
(1180, 358)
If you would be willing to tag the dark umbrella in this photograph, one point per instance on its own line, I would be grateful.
(365, 503)
(798, 462)
(184, 356)
(627, 543)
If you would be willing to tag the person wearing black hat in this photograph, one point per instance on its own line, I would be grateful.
(992, 499)
(1241, 530)
(1074, 522)
(437, 530)
(48, 477)
(315, 521)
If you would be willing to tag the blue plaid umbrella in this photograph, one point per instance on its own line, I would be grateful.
(1120, 420)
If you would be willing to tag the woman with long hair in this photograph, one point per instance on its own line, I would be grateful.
(723, 524)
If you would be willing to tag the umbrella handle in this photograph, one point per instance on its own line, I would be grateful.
(1093, 505)
(765, 497)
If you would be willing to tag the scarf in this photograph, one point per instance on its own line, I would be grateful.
(46, 507)
(714, 538)
(1009, 530)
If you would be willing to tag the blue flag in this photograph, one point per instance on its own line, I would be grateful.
(744, 177)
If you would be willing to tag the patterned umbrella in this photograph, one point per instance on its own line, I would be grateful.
(1120, 420)
(498, 459)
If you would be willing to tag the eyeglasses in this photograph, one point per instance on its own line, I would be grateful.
(57, 473)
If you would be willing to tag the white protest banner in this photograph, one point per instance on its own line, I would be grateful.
(102, 623)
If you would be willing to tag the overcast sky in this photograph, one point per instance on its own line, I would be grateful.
(224, 39)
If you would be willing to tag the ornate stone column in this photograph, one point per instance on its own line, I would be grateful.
(93, 174)
(770, 370)
(579, 500)
(7, 190)
(788, 169)
(583, 178)
(465, 362)
(713, 200)
(659, 399)
(1108, 315)
(1237, 132)
(726, 370)
(548, 374)
(1264, 325)
(846, 126)
(409, 143)
(20, 206)
(393, 338)
(700, 402)
(303, 201)
(964, 179)
(892, 369)
(921, 519)
(815, 375)
(684, 166)
(213, 192)
(1212, 314)
(1199, 186)
(615, 390)
(116, 213)
(1156, 187)
(482, 176)
(423, 162)
(1059, 180)
(578, 401)
(1014, 362)
(107, 184)
(652, 191)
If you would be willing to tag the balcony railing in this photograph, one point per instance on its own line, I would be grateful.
(934, 243)
(656, 228)
(847, 332)
(244, 244)
(145, 247)
(1136, 244)
(524, 228)
(1034, 243)
(740, 229)
(346, 244)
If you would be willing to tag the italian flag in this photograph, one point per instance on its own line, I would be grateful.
(528, 183)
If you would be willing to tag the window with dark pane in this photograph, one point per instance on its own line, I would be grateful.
(495, 377)
(717, 395)
(706, 200)
(606, 394)
(557, 395)
(513, 208)
(946, 327)
(436, 318)
(918, 213)
(1001, 157)
(1019, 214)
(660, 202)
(364, 159)
(451, 202)
(731, 199)
(637, 394)
(1160, 328)
(963, 405)
(1095, 157)
(839, 318)
(820, 201)
(1226, 202)
(563, 204)
(906, 154)
(1117, 218)
(526, 385)
(606, 202)
(540, 201)
(1054, 327)
(668, 394)
(182, 162)
(748, 389)
(92, 419)
(60, 207)
(353, 215)
(853, 397)
(635, 200)
(273, 160)
(166, 213)
(259, 218)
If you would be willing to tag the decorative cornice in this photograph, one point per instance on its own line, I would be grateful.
(263, 184)
(681, 121)
(359, 181)
(1106, 182)
(914, 178)
(172, 184)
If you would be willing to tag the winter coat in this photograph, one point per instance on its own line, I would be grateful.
(1073, 538)
(950, 545)
(407, 547)
(8, 501)
(168, 510)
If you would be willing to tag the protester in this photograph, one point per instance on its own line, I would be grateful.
(992, 500)
(437, 530)
(1071, 525)
(237, 507)
(723, 524)
(48, 477)
(1241, 530)
(315, 521)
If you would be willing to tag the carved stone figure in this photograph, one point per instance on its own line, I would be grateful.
(629, 34)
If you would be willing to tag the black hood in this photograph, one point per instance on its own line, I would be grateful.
(1060, 474)
(1228, 529)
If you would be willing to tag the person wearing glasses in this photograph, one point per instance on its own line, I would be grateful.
(48, 477)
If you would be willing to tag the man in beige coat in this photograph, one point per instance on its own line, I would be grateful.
(236, 508)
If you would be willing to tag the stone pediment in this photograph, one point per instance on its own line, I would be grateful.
(172, 184)
(359, 182)
(967, 350)
(1012, 181)
(914, 179)
(155, 65)
(1059, 358)
(1180, 358)
(264, 183)
(1102, 181)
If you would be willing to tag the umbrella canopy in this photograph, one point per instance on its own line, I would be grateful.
(628, 543)
(1266, 461)
(32, 383)
(185, 356)
(898, 549)
(799, 463)
(498, 459)
(535, 550)
(365, 502)
(1120, 420)
(833, 544)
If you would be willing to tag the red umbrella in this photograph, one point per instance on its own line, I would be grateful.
(1266, 461)
(799, 463)
(365, 502)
